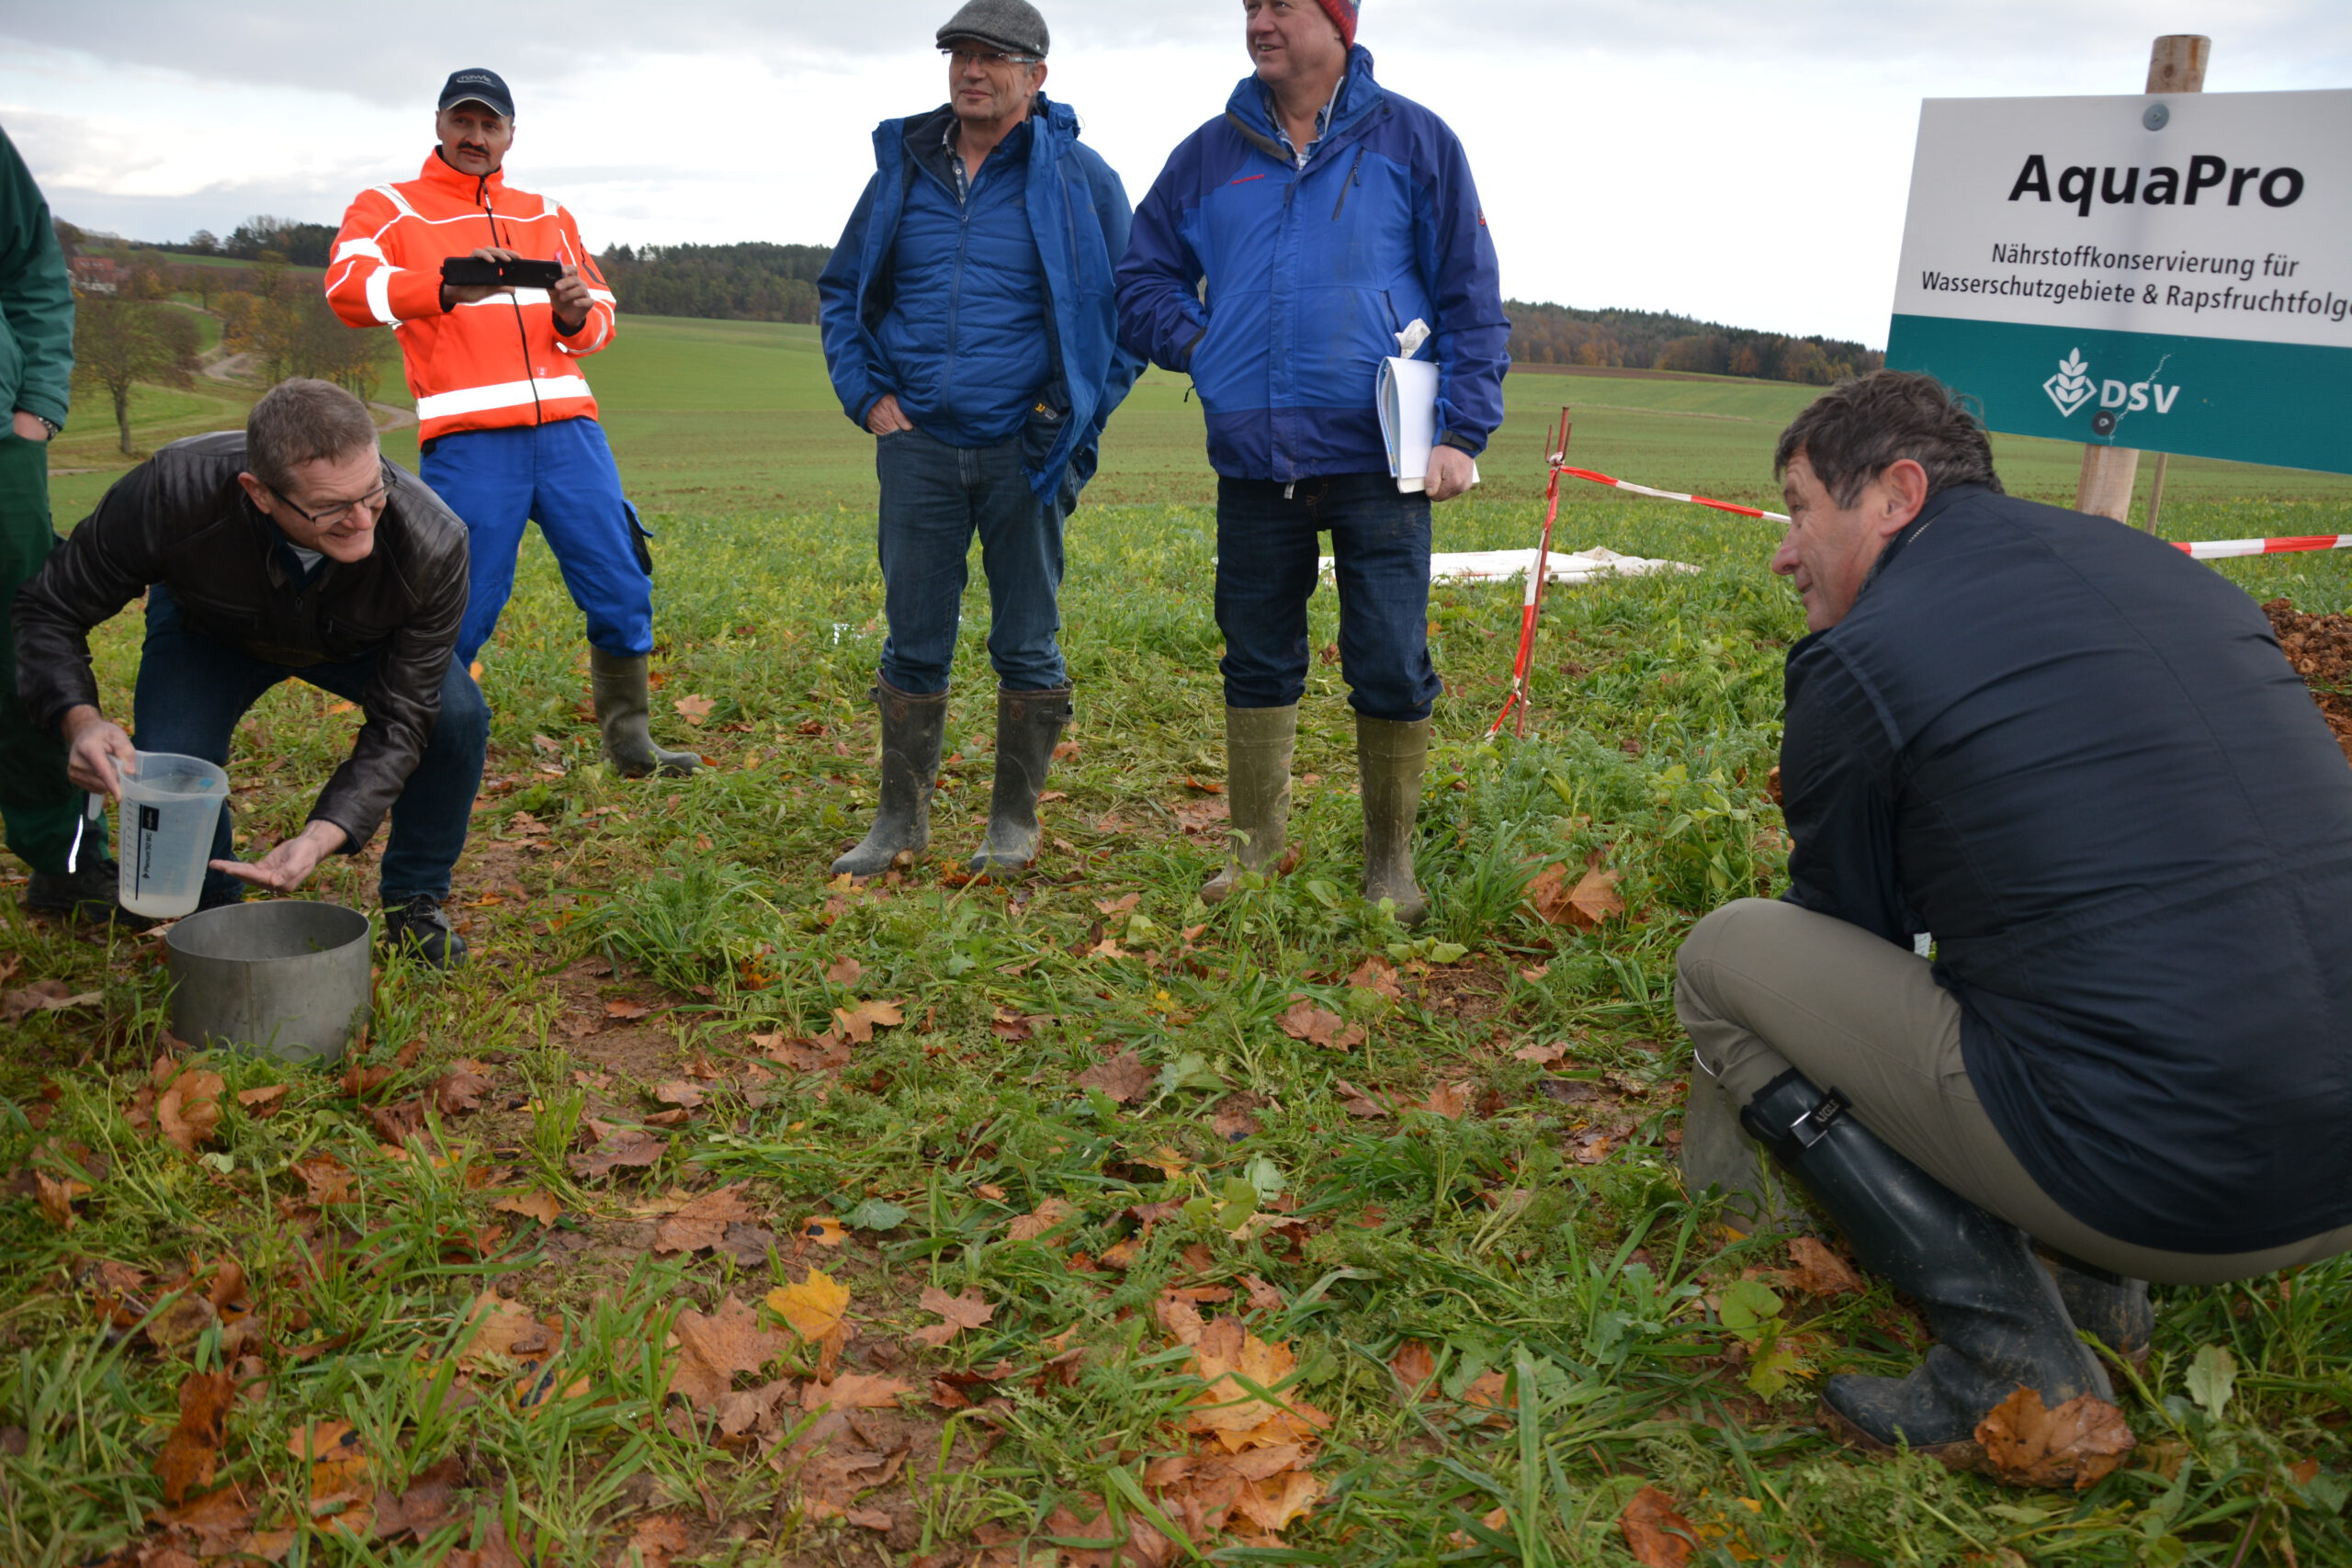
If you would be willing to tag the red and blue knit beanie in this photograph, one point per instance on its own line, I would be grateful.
(1343, 13)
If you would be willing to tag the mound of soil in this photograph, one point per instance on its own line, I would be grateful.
(2320, 648)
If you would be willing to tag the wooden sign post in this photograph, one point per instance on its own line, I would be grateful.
(2176, 64)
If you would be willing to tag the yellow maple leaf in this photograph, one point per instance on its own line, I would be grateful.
(814, 1307)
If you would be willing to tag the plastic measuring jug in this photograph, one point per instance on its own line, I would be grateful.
(170, 808)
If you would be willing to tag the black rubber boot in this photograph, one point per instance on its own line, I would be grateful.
(1998, 1320)
(1390, 756)
(1029, 724)
(1258, 745)
(624, 712)
(2112, 1308)
(911, 729)
(88, 895)
(417, 927)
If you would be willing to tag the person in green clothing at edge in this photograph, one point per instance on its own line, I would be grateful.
(43, 809)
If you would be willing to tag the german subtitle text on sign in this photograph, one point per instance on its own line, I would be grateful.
(2167, 273)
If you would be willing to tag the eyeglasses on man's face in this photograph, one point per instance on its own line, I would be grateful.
(964, 57)
(339, 511)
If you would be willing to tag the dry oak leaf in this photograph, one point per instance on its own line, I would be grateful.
(1124, 1078)
(713, 1349)
(1542, 1055)
(697, 1224)
(1415, 1368)
(423, 1508)
(1042, 1220)
(188, 1112)
(857, 1024)
(1655, 1533)
(43, 996)
(263, 1101)
(1263, 1297)
(845, 970)
(2075, 1445)
(459, 1089)
(1586, 906)
(500, 1327)
(1319, 1026)
(1814, 1270)
(326, 1179)
(693, 710)
(194, 1447)
(627, 1008)
(56, 1198)
(970, 1310)
(656, 1537)
(606, 1147)
(1451, 1100)
(1378, 977)
(539, 1206)
(814, 1307)
(856, 1390)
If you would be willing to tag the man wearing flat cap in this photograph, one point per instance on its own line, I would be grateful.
(968, 326)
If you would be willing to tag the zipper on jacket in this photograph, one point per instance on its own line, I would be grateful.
(1347, 185)
(522, 333)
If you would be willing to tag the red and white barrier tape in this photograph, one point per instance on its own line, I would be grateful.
(2214, 550)
(2203, 549)
(1676, 495)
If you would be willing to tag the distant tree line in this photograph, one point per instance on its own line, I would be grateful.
(1655, 339)
(291, 240)
(753, 282)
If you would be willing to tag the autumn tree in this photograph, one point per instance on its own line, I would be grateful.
(120, 343)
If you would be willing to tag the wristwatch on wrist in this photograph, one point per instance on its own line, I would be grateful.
(54, 429)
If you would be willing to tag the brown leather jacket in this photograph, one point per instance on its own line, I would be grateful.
(180, 519)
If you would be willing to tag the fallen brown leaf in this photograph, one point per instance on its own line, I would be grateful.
(43, 996)
(326, 1179)
(713, 1349)
(856, 1390)
(844, 971)
(263, 1101)
(814, 1307)
(2075, 1445)
(701, 1223)
(1451, 1100)
(970, 1310)
(1042, 1220)
(189, 1113)
(858, 1023)
(1124, 1078)
(1415, 1368)
(606, 1147)
(194, 1448)
(1814, 1270)
(1655, 1533)
(539, 1206)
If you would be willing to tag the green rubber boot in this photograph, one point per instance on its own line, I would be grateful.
(913, 729)
(624, 713)
(1028, 726)
(1259, 743)
(1390, 756)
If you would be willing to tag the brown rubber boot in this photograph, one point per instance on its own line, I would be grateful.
(1259, 743)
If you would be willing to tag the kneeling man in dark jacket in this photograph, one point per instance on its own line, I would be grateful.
(290, 549)
(2067, 765)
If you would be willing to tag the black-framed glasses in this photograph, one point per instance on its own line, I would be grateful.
(341, 510)
(990, 57)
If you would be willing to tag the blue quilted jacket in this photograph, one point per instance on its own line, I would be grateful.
(1311, 273)
(1078, 215)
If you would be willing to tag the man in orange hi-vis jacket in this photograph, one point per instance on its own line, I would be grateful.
(508, 425)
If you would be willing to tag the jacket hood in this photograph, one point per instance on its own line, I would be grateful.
(438, 172)
(1359, 96)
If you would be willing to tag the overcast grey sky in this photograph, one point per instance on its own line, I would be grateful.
(1730, 159)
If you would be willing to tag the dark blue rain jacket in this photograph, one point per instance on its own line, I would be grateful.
(971, 321)
(2078, 759)
(1311, 273)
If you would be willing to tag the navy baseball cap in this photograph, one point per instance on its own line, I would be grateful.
(476, 84)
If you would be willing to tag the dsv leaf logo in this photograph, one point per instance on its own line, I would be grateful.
(2072, 387)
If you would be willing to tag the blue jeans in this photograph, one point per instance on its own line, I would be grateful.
(934, 497)
(562, 476)
(193, 690)
(1266, 552)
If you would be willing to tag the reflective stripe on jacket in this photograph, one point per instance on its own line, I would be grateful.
(1077, 211)
(484, 365)
(1311, 273)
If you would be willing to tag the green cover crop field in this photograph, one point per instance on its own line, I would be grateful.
(724, 1215)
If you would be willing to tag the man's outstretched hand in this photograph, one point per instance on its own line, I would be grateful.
(288, 865)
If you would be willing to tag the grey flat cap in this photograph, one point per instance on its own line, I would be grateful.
(1012, 26)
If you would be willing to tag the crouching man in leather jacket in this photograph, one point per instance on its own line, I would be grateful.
(290, 549)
